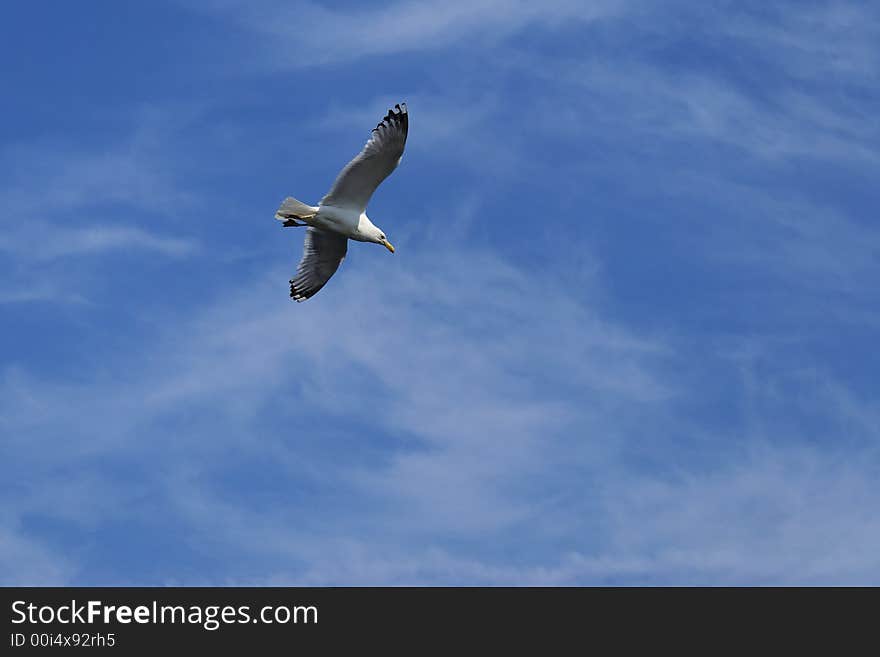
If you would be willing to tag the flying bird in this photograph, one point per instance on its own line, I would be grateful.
(341, 214)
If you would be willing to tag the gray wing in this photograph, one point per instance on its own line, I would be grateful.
(323, 252)
(380, 156)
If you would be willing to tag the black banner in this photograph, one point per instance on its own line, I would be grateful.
(132, 620)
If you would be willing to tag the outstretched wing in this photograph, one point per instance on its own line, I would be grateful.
(380, 156)
(323, 252)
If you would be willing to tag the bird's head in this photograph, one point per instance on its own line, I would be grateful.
(370, 232)
(379, 238)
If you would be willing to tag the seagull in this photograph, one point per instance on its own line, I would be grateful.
(341, 214)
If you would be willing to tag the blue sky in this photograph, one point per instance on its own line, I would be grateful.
(628, 335)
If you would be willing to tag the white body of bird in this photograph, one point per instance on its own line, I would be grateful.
(349, 222)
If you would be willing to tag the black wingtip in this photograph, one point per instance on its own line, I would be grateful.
(299, 295)
(393, 116)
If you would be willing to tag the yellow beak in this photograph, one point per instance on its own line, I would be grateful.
(388, 246)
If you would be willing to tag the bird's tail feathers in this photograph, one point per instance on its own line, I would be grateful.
(295, 213)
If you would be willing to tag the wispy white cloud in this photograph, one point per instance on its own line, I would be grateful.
(40, 292)
(836, 38)
(779, 516)
(688, 107)
(52, 181)
(51, 242)
(518, 418)
(64, 202)
(461, 397)
(308, 33)
(28, 562)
